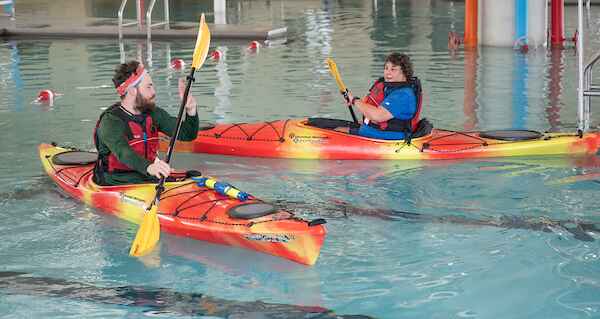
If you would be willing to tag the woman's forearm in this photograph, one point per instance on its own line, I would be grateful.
(373, 113)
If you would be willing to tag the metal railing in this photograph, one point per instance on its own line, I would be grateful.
(584, 82)
(140, 17)
(149, 23)
(139, 21)
(589, 90)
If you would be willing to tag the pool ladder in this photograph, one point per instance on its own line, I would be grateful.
(589, 90)
(140, 21)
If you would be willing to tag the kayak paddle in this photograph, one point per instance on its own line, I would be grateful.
(149, 232)
(343, 89)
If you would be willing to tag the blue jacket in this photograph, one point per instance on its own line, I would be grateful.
(401, 102)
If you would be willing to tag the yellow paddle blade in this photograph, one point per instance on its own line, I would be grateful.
(202, 43)
(336, 74)
(148, 234)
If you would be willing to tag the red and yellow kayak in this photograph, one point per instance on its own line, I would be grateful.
(298, 139)
(189, 210)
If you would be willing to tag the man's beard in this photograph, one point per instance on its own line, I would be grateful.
(144, 105)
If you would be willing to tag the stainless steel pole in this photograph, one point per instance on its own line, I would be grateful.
(582, 125)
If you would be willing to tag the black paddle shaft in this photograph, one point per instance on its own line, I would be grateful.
(171, 148)
(345, 93)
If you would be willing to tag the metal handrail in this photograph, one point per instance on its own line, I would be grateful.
(120, 17)
(589, 90)
(585, 87)
(149, 23)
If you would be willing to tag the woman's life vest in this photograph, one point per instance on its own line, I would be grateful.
(380, 90)
(142, 136)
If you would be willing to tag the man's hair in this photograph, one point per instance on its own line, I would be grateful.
(403, 61)
(124, 71)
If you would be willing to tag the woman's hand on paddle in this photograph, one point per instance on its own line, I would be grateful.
(350, 100)
(159, 168)
(190, 105)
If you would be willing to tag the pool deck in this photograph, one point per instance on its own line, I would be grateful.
(22, 27)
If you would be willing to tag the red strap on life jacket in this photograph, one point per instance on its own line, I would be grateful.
(376, 93)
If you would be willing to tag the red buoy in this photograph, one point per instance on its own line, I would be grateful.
(45, 96)
(216, 55)
(254, 46)
(177, 64)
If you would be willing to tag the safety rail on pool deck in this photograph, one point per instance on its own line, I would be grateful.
(589, 89)
(585, 88)
(149, 24)
(139, 21)
(140, 17)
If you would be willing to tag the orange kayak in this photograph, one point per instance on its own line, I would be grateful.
(189, 210)
(302, 139)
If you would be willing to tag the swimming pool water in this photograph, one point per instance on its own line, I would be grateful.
(498, 238)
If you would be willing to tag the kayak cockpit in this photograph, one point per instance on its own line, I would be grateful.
(424, 127)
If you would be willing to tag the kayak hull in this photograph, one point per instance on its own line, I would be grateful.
(296, 139)
(185, 209)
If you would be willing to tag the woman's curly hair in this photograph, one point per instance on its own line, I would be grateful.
(403, 61)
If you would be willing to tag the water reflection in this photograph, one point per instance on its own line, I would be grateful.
(470, 93)
(139, 46)
(261, 273)
(223, 88)
(554, 88)
(519, 91)
(12, 73)
(487, 71)
(157, 301)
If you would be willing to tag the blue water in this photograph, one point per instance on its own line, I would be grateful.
(498, 238)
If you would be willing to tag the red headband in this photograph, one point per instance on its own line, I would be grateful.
(133, 80)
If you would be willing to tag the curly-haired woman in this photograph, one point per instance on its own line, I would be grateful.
(391, 109)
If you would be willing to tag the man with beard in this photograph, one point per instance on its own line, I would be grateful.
(126, 134)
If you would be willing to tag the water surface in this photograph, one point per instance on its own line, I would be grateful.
(500, 238)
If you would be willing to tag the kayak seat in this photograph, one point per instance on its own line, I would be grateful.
(251, 210)
(424, 128)
(330, 124)
(511, 135)
(75, 158)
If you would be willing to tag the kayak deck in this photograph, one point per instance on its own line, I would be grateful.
(298, 139)
(188, 210)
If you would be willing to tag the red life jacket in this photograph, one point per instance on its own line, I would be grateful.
(141, 135)
(377, 93)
